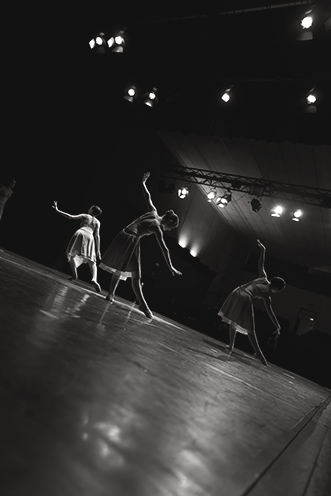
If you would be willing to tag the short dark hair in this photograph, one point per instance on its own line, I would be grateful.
(277, 283)
(96, 210)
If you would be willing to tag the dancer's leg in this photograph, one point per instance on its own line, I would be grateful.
(73, 267)
(232, 336)
(93, 269)
(255, 344)
(137, 288)
(115, 279)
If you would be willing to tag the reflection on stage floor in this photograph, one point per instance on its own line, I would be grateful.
(99, 400)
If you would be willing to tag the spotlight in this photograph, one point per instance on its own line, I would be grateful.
(296, 215)
(211, 195)
(130, 93)
(227, 197)
(256, 205)
(277, 211)
(222, 201)
(98, 43)
(226, 95)
(151, 98)
(307, 22)
(311, 98)
(183, 193)
(117, 43)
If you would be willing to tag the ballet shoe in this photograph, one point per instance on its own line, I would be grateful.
(109, 298)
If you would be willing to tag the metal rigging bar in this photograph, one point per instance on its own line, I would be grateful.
(252, 185)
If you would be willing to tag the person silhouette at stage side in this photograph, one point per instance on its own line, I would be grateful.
(5, 193)
(122, 257)
(84, 245)
(237, 310)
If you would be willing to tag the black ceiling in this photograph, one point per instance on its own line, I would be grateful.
(191, 54)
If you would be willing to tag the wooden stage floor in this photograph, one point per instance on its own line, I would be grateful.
(97, 400)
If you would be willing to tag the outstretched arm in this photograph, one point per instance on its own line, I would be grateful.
(68, 216)
(262, 272)
(270, 312)
(166, 254)
(147, 194)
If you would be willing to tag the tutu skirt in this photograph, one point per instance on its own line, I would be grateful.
(82, 247)
(122, 257)
(238, 309)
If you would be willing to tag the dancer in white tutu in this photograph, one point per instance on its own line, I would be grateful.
(84, 246)
(237, 310)
(122, 258)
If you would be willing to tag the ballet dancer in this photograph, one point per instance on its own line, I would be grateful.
(237, 310)
(84, 245)
(122, 257)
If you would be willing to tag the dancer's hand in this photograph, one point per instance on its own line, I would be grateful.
(276, 333)
(260, 244)
(146, 176)
(175, 272)
(54, 204)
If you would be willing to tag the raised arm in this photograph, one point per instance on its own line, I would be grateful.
(147, 194)
(165, 253)
(68, 216)
(262, 272)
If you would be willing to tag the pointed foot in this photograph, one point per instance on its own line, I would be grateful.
(97, 286)
(146, 311)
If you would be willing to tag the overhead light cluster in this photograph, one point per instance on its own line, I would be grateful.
(220, 200)
(149, 98)
(103, 42)
(278, 211)
(223, 200)
(115, 42)
(183, 192)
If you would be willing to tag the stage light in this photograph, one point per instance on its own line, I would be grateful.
(311, 98)
(130, 93)
(183, 193)
(296, 215)
(117, 43)
(226, 95)
(151, 98)
(211, 194)
(256, 205)
(98, 43)
(222, 201)
(277, 211)
(307, 22)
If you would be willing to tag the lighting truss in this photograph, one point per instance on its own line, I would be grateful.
(251, 185)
